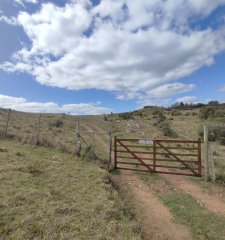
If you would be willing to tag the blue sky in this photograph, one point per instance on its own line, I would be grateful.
(94, 57)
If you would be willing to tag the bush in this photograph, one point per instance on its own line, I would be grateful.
(34, 167)
(88, 153)
(160, 117)
(167, 131)
(222, 141)
(126, 116)
(207, 112)
(219, 114)
(220, 177)
(176, 113)
(215, 134)
(57, 124)
(155, 112)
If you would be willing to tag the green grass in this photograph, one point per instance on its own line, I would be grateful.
(46, 194)
(204, 225)
(186, 210)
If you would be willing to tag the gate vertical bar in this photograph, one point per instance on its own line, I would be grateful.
(154, 155)
(199, 158)
(115, 152)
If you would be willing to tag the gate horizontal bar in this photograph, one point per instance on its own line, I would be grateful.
(167, 154)
(162, 166)
(176, 141)
(176, 173)
(160, 159)
(146, 146)
(172, 173)
(161, 140)
(127, 157)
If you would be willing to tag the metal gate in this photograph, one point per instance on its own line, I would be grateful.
(177, 157)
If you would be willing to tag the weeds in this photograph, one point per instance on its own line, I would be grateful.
(34, 167)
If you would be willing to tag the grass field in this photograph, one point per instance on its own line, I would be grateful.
(58, 130)
(47, 194)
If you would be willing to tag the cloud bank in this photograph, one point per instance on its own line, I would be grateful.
(21, 104)
(137, 49)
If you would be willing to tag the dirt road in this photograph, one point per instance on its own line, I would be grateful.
(156, 219)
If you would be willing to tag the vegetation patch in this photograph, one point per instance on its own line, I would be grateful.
(204, 225)
(68, 198)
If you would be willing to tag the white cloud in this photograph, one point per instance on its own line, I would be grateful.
(21, 104)
(8, 20)
(222, 88)
(24, 2)
(187, 99)
(134, 48)
(171, 89)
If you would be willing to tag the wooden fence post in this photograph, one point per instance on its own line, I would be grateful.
(206, 162)
(199, 158)
(7, 123)
(110, 150)
(115, 152)
(38, 129)
(78, 150)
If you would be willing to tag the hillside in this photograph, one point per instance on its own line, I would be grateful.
(39, 168)
(59, 130)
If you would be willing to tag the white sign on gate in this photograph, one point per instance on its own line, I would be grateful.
(146, 142)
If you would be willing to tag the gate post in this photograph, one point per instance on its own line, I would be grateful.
(154, 155)
(115, 152)
(199, 158)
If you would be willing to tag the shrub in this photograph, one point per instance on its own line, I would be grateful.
(176, 113)
(215, 133)
(57, 124)
(88, 153)
(167, 131)
(126, 115)
(160, 118)
(219, 114)
(220, 177)
(155, 112)
(207, 112)
(34, 167)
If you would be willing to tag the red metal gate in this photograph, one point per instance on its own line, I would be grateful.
(178, 157)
